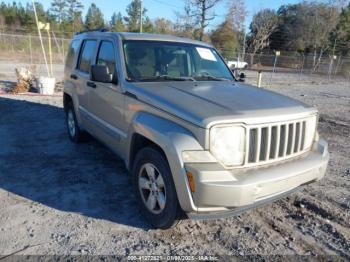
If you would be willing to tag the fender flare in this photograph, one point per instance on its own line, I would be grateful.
(173, 139)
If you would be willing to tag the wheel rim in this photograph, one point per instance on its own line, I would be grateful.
(152, 188)
(71, 123)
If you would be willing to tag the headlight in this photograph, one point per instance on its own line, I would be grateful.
(227, 144)
(310, 131)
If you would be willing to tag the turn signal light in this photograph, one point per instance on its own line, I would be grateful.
(191, 181)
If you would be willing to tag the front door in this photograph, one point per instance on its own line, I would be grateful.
(106, 101)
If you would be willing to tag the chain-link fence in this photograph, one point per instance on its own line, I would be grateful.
(25, 49)
(331, 66)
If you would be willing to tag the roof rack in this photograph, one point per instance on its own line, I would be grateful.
(92, 30)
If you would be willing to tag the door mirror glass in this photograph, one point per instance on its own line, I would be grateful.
(100, 73)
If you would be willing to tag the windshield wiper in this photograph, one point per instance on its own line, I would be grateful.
(166, 77)
(210, 77)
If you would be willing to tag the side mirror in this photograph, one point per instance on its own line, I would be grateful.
(242, 77)
(100, 73)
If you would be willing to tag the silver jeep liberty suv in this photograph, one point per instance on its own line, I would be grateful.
(195, 140)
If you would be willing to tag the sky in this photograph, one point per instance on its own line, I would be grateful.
(167, 8)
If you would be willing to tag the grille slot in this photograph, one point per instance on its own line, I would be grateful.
(274, 142)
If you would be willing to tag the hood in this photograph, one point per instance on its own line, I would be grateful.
(212, 102)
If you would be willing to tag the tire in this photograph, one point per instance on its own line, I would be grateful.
(74, 132)
(158, 204)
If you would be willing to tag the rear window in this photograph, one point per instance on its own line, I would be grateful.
(73, 49)
(86, 55)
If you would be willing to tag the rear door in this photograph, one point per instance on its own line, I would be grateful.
(82, 76)
(107, 99)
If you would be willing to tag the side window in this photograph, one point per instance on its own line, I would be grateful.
(106, 56)
(86, 55)
(73, 49)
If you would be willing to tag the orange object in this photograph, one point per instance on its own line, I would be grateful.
(191, 181)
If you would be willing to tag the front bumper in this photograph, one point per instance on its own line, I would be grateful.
(221, 191)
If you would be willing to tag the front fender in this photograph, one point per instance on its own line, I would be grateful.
(173, 139)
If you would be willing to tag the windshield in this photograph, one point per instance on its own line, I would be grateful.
(169, 61)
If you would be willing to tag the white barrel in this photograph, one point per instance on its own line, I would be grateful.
(46, 85)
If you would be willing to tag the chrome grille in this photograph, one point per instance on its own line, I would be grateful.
(272, 142)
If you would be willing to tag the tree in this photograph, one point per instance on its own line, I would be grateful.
(94, 18)
(2, 22)
(132, 19)
(237, 13)
(264, 23)
(342, 32)
(59, 10)
(225, 39)
(163, 26)
(75, 8)
(306, 27)
(200, 11)
(184, 23)
(116, 22)
(77, 23)
(147, 25)
(28, 18)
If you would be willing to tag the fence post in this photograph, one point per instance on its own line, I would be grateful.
(30, 49)
(337, 66)
(302, 67)
(63, 52)
(13, 43)
(259, 78)
(277, 53)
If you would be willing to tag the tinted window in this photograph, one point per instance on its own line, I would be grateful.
(106, 56)
(86, 55)
(73, 49)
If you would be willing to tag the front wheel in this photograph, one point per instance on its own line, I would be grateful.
(155, 188)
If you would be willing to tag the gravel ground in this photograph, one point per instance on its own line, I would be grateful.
(65, 199)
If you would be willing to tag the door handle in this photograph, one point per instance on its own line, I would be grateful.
(73, 76)
(91, 84)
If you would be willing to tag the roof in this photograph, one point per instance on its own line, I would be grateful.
(145, 36)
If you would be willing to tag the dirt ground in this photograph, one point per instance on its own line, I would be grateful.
(59, 198)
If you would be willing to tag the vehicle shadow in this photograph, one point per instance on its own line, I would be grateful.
(39, 163)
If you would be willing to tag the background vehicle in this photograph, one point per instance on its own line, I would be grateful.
(195, 140)
(233, 64)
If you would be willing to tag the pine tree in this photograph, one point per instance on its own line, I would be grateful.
(342, 33)
(75, 8)
(148, 26)
(116, 22)
(94, 18)
(133, 16)
(59, 10)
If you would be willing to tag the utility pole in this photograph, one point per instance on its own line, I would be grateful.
(141, 9)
